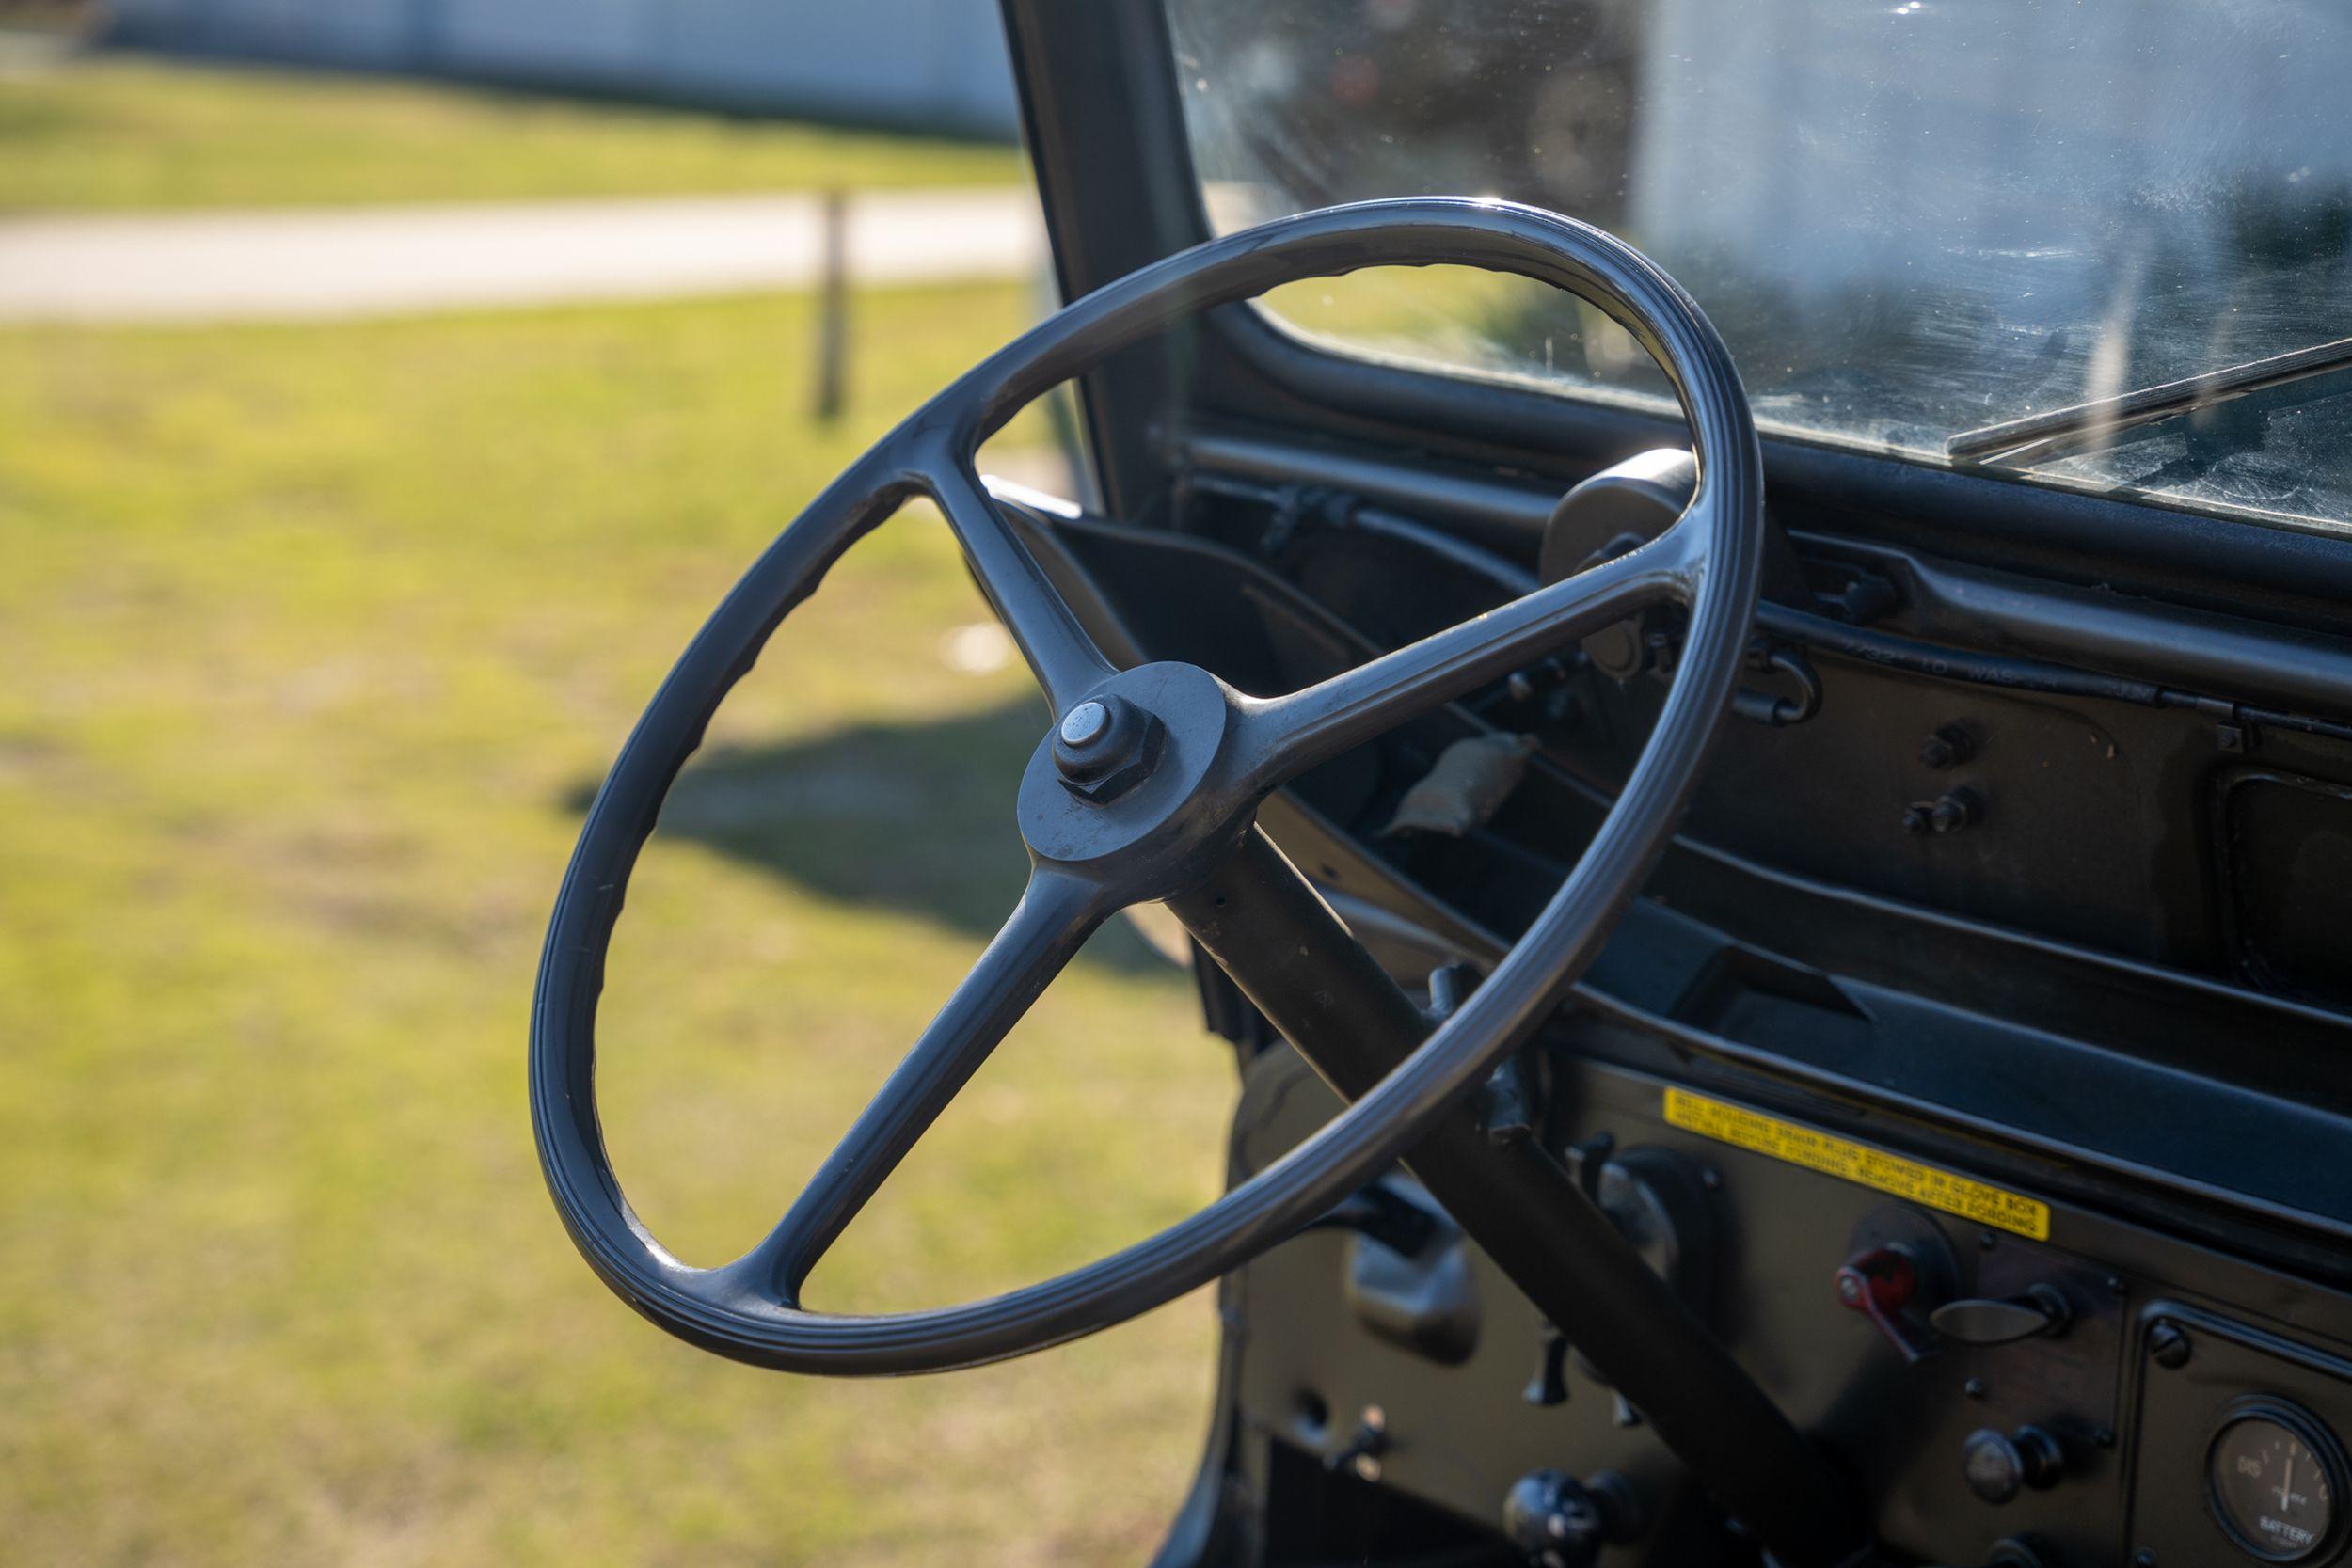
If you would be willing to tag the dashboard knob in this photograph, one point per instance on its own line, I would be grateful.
(1883, 1284)
(1998, 1466)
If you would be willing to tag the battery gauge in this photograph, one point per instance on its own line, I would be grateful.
(2276, 1480)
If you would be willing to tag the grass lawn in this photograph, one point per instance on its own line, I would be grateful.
(114, 132)
(315, 639)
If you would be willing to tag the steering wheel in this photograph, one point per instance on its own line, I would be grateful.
(1147, 783)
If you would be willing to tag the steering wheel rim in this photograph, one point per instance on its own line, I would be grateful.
(1217, 765)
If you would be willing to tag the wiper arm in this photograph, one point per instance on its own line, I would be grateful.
(2037, 433)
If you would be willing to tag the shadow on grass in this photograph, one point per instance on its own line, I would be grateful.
(915, 817)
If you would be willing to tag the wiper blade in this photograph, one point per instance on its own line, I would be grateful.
(2062, 427)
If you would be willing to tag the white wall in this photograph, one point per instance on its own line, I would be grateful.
(931, 63)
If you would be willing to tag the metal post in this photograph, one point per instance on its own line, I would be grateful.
(832, 306)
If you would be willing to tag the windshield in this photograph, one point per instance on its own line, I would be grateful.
(1910, 219)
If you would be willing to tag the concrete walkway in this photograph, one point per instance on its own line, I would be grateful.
(309, 264)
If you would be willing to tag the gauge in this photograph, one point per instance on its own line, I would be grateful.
(2276, 1481)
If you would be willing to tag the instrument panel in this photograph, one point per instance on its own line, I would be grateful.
(2014, 1381)
(2254, 1415)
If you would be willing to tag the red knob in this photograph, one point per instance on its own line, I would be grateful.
(1878, 1283)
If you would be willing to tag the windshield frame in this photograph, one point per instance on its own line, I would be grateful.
(1470, 403)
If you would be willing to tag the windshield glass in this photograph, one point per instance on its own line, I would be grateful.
(1910, 219)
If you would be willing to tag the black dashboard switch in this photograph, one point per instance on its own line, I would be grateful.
(1361, 1456)
(1948, 813)
(2043, 1309)
(1998, 1466)
(1549, 1385)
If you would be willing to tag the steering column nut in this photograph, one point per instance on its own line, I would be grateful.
(1106, 746)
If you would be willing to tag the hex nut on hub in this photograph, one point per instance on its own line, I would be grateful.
(1106, 746)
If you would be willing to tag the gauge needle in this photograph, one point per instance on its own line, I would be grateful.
(2286, 1487)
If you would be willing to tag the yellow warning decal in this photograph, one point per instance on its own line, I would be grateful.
(1871, 1167)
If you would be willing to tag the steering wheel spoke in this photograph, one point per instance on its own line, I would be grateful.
(1290, 735)
(1056, 915)
(1060, 653)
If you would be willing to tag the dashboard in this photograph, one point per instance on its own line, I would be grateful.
(1973, 1065)
(2025, 1383)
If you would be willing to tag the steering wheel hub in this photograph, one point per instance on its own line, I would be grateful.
(1141, 788)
